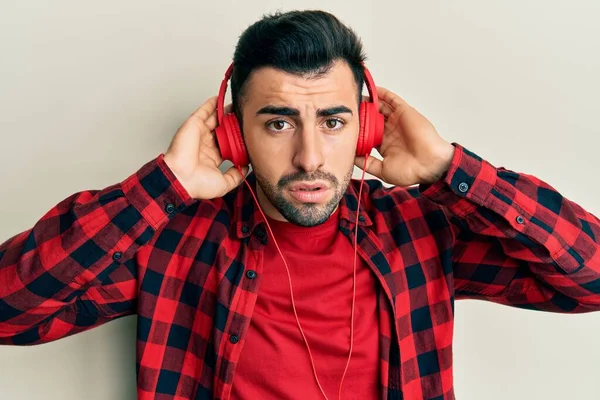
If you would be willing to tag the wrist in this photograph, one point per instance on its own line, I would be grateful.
(176, 172)
(441, 163)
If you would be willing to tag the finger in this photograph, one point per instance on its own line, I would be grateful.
(385, 109)
(234, 178)
(206, 109)
(195, 130)
(395, 102)
(209, 139)
(211, 121)
(374, 165)
(390, 97)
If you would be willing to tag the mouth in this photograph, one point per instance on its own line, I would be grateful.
(307, 187)
(313, 192)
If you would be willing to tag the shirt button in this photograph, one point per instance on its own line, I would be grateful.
(520, 220)
(245, 229)
(463, 187)
(117, 256)
(361, 218)
(251, 274)
(234, 339)
(170, 208)
(260, 232)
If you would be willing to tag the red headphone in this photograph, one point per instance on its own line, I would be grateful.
(231, 142)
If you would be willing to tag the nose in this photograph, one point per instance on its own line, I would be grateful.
(309, 155)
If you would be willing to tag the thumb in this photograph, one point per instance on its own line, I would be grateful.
(374, 165)
(233, 177)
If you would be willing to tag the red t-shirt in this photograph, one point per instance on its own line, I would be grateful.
(274, 362)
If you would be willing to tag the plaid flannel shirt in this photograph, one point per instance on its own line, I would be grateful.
(191, 270)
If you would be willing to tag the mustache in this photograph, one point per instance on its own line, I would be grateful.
(306, 177)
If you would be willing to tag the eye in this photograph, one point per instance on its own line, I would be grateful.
(277, 125)
(334, 124)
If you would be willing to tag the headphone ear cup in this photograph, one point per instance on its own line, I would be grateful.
(371, 128)
(362, 113)
(230, 141)
(239, 155)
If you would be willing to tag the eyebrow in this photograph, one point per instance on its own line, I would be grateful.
(293, 112)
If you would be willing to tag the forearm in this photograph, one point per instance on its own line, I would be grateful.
(46, 269)
(514, 219)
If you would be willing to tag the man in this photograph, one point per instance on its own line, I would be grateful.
(184, 246)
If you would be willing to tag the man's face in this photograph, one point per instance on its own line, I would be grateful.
(301, 135)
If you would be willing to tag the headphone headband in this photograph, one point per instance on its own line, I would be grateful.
(371, 86)
(222, 90)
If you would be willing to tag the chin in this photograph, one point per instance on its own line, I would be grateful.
(306, 214)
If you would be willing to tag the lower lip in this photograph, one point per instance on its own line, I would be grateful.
(310, 196)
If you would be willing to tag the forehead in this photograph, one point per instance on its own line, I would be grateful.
(268, 85)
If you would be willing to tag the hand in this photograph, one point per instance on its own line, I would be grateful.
(413, 152)
(194, 157)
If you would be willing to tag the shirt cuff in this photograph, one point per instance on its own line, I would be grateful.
(466, 185)
(156, 193)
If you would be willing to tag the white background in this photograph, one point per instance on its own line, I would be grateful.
(90, 91)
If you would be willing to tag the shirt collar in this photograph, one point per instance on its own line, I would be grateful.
(247, 217)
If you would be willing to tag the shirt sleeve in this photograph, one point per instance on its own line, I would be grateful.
(518, 241)
(76, 268)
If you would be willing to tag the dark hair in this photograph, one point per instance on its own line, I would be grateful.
(306, 43)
